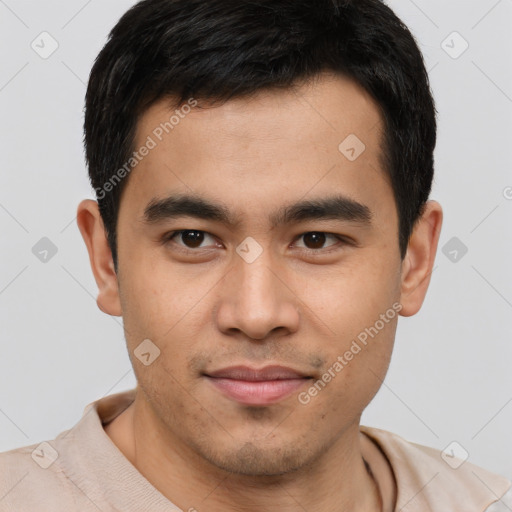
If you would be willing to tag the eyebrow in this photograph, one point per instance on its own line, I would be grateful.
(336, 207)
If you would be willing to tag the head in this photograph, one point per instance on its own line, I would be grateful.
(225, 140)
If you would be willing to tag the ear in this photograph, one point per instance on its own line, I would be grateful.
(91, 226)
(419, 259)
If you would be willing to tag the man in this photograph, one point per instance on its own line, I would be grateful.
(225, 140)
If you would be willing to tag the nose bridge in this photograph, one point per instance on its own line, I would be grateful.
(254, 299)
(257, 285)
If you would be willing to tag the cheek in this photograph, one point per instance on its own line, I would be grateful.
(359, 304)
(351, 296)
(156, 299)
(353, 374)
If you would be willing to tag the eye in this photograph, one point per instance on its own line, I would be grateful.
(315, 240)
(190, 238)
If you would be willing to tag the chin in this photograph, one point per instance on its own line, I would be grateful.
(250, 459)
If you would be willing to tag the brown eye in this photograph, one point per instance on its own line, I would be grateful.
(189, 239)
(319, 242)
(314, 240)
(192, 239)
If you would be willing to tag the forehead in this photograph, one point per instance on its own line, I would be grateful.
(326, 102)
(276, 146)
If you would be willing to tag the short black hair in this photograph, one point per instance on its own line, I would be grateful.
(216, 50)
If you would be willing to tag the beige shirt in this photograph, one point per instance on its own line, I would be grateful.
(83, 470)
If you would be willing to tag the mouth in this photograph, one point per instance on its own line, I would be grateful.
(258, 387)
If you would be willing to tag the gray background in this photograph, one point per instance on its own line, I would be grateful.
(450, 377)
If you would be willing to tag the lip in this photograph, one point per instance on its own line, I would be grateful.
(271, 372)
(252, 386)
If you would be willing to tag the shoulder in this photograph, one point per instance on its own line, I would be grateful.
(429, 479)
(31, 480)
(69, 472)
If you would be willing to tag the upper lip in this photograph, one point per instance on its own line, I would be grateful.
(273, 372)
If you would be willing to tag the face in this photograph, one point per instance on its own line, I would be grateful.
(257, 280)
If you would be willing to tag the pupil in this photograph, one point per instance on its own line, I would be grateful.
(192, 238)
(314, 238)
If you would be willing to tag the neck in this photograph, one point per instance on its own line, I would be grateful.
(337, 480)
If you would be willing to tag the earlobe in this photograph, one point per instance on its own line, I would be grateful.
(92, 229)
(419, 260)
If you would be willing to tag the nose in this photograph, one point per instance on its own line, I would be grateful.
(257, 300)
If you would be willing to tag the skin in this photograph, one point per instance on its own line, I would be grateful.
(207, 308)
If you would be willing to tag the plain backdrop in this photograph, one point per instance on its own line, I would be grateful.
(450, 378)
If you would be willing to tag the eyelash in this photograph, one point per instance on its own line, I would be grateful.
(167, 239)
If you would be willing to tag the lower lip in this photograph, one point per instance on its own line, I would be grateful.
(257, 392)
